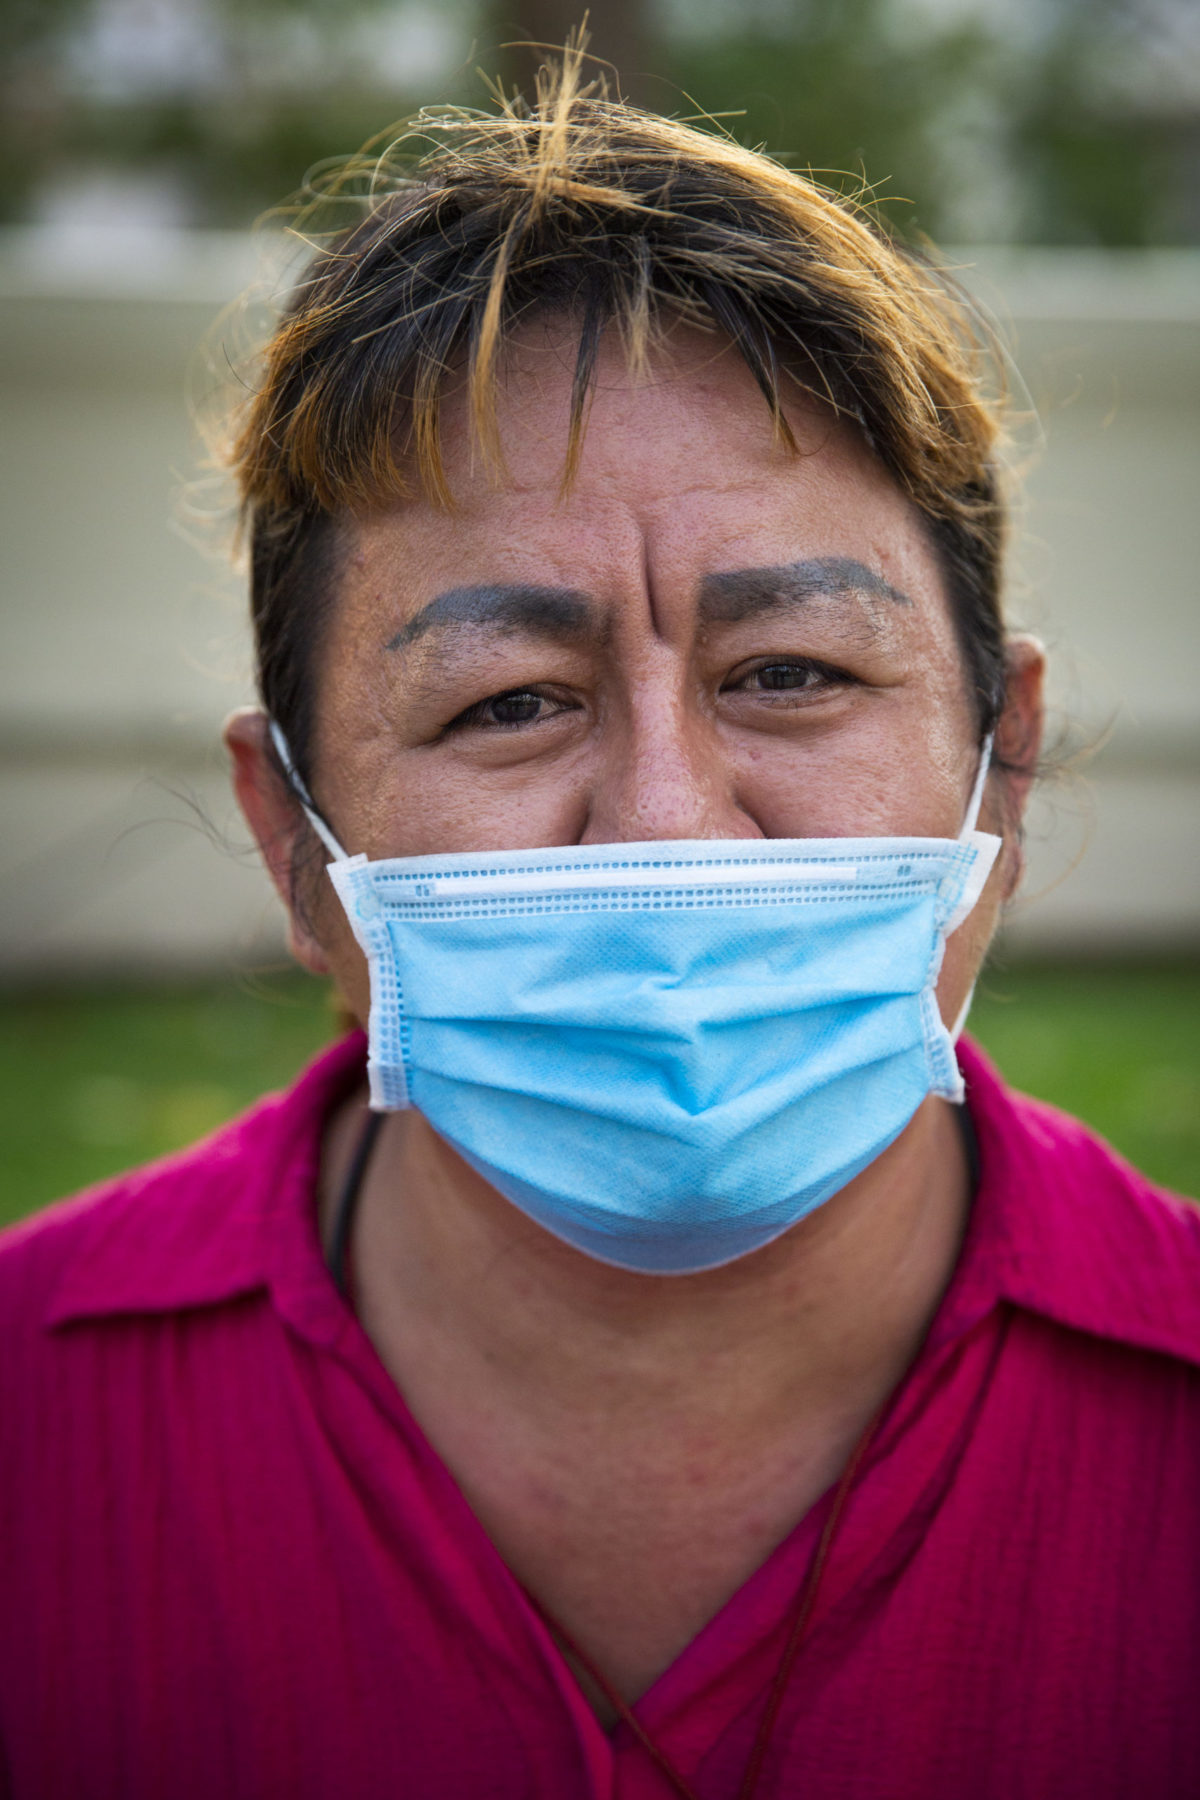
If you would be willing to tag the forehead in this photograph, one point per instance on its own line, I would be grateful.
(680, 476)
(693, 390)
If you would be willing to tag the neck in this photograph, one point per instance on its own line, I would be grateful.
(636, 1446)
(817, 1327)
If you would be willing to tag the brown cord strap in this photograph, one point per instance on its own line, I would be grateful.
(341, 1268)
(804, 1610)
(805, 1603)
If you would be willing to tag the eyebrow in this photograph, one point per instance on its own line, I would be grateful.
(738, 594)
(562, 613)
(569, 615)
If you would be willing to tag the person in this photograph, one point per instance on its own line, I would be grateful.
(657, 1356)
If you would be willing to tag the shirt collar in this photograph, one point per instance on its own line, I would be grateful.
(1063, 1227)
(1060, 1225)
(233, 1214)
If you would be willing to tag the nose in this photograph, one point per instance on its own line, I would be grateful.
(661, 775)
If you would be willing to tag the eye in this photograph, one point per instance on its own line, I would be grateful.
(776, 676)
(508, 711)
(788, 675)
(519, 708)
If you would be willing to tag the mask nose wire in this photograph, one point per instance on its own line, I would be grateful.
(302, 794)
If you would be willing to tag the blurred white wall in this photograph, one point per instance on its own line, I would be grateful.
(121, 648)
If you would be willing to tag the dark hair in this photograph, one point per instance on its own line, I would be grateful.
(585, 206)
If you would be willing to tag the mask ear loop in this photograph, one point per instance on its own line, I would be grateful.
(302, 794)
(969, 824)
(981, 775)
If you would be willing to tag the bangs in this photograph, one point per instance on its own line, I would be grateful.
(471, 223)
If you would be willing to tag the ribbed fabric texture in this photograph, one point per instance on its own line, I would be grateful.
(231, 1565)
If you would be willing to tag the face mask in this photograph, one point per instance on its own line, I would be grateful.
(664, 1053)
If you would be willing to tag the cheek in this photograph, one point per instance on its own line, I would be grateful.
(965, 951)
(445, 807)
(884, 776)
(967, 947)
(323, 915)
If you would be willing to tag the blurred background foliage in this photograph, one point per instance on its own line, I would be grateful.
(1026, 121)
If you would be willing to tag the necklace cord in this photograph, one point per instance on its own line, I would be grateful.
(338, 1258)
(339, 1266)
(575, 1653)
(804, 1609)
(805, 1605)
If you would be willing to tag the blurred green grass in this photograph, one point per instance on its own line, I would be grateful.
(94, 1081)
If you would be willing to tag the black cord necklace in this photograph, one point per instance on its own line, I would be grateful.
(970, 1143)
(338, 1255)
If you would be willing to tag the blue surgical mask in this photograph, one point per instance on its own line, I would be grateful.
(664, 1053)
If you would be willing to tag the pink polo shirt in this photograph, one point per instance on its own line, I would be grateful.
(232, 1568)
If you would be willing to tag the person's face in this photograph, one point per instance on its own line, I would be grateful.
(706, 636)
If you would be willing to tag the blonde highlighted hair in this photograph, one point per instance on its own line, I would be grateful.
(578, 205)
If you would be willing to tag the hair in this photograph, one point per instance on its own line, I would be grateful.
(575, 204)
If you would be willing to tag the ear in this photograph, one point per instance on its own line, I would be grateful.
(1019, 738)
(274, 816)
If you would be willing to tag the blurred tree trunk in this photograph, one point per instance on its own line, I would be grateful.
(532, 29)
